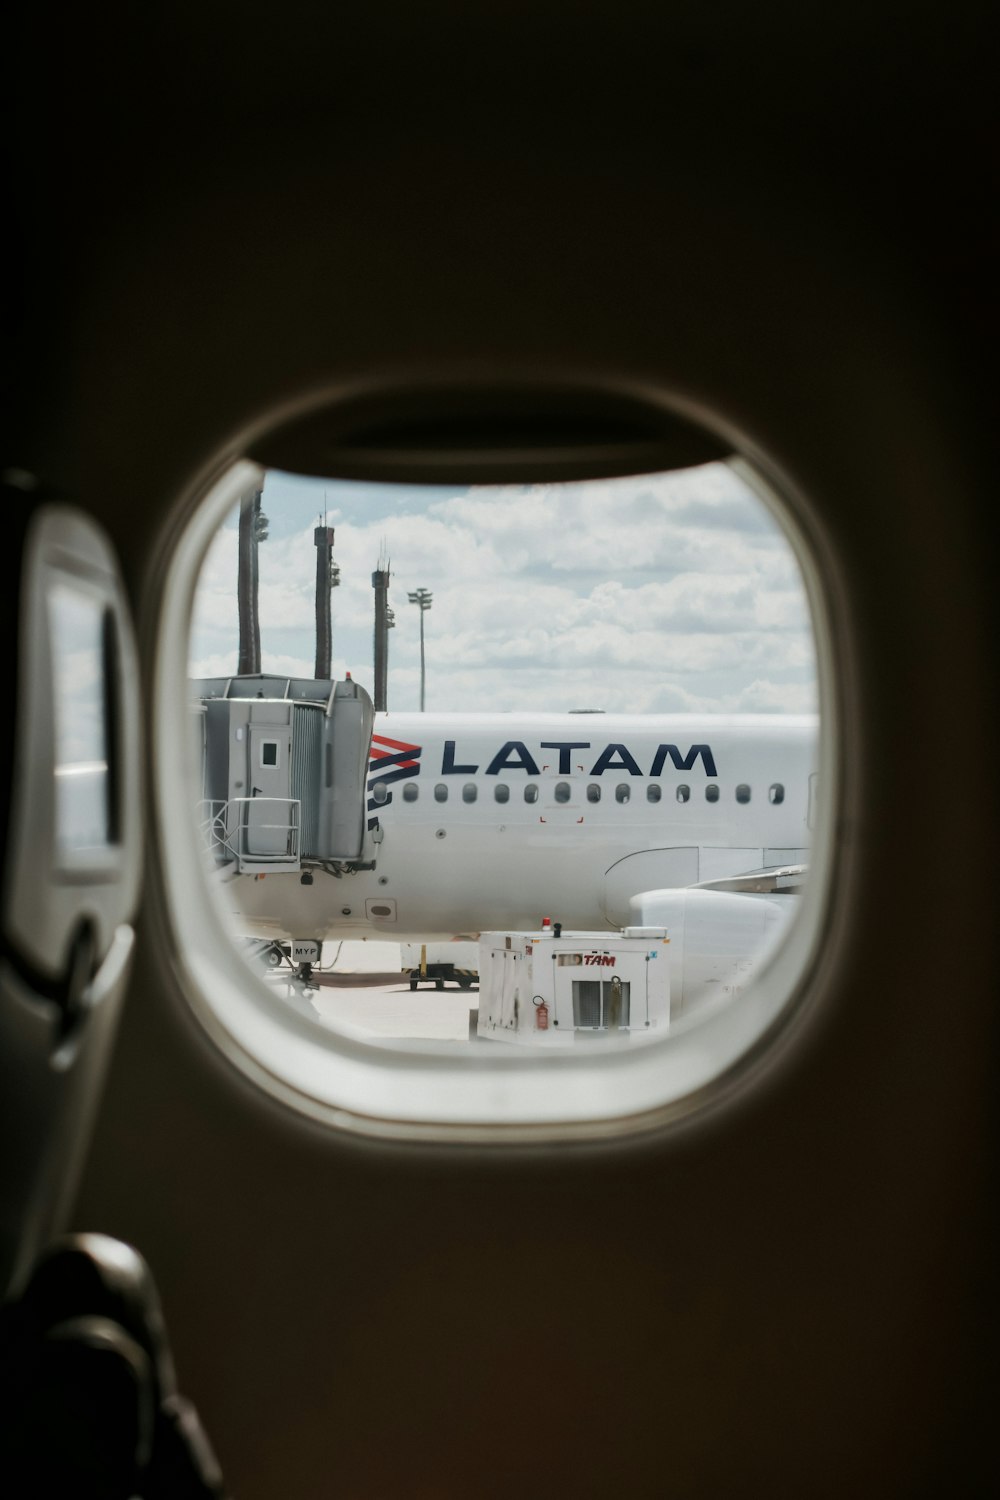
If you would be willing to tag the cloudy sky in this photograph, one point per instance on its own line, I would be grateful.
(654, 594)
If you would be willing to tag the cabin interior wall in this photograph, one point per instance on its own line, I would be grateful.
(787, 1295)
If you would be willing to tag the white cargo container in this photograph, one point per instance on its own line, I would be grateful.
(539, 990)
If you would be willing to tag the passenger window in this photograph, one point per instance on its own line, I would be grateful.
(332, 831)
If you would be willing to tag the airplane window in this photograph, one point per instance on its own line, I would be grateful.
(83, 791)
(476, 693)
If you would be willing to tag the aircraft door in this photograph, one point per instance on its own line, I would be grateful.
(270, 816)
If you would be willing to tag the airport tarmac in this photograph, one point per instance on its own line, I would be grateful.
(361, 984)
(391, 1009)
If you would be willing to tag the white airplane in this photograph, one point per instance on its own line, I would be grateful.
(492, 821)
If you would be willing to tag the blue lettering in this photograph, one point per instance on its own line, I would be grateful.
(564, 747)
(683, 762)
(504, 759)
(606, 761)
(448, 766)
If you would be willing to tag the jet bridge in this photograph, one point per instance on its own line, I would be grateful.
(284, 767)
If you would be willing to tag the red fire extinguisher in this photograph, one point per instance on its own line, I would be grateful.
(541, 1014)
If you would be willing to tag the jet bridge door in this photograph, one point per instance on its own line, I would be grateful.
(268, 809)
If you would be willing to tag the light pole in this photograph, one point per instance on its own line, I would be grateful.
(422, 598)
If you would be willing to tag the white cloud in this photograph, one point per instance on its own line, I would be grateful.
(664, 593)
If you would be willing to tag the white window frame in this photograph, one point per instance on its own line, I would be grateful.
(349, 1080)
(267, 765)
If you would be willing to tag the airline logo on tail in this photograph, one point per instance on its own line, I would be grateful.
(390, 760)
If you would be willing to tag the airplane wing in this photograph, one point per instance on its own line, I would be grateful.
(771, 880)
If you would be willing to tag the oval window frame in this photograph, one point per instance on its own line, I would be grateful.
(351, 1081)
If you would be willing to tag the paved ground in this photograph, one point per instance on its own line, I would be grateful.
(389, 1009)
(365, 988)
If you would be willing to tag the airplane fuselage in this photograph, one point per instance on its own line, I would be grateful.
(485, 821)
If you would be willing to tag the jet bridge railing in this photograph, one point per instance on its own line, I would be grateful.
(258, 834)
(211, 817)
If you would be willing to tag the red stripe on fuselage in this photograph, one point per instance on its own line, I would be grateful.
(393, 744)
(384, 749)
